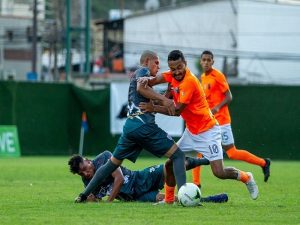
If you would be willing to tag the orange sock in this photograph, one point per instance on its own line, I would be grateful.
(169, 194)
(196, 172)
(243, 176)
(239, 154)
(196, 175)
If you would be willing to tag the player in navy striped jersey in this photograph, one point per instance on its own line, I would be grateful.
(143, 185)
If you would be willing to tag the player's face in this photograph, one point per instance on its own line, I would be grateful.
(153, 66)
(206, 62)
(177, 68)
(86, 169)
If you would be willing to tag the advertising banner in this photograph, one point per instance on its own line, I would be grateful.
(9, 142)
(118, 102)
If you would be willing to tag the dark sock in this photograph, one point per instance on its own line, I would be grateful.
(103, 172)
(179, 167)
(194, 162)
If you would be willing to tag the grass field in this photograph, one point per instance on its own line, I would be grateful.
(41, 190)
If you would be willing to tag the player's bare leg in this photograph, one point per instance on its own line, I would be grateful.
(222, 172)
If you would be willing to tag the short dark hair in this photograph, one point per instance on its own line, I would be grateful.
(74, 162)
(207, 52)
(175, 55)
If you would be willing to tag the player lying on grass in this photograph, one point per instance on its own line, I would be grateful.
(143, 185)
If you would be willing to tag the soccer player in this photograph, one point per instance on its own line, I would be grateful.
(143, 185)
(141, 132)
(218, 96)
(202, 133)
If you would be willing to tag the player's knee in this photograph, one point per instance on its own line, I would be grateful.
(169, 164)
(218, 171)
(116, 161)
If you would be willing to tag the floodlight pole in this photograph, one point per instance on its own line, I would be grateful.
(69, 30)
(34, 37)
(87, 36)
(68, 39)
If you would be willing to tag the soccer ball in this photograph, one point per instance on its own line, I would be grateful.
(189, 195)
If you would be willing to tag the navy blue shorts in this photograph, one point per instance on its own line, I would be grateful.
(149, 137)
(148, 183)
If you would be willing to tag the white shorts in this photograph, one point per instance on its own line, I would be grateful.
(227, 135)
(207, 143)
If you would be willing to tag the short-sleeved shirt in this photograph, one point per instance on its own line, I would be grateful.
(136, 117)
(215, 86)
(196, 114)
(106, 186)
(142, 185)
(140, 130)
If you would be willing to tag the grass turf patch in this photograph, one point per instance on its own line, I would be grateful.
(41, 190)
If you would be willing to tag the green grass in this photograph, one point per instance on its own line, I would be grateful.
(41, 190)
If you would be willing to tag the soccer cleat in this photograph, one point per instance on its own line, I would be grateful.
(252, 187)
(163, 202)
(81, 198)
(219, 198)
(266, 169)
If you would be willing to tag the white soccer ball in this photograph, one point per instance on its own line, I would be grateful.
(189, 195)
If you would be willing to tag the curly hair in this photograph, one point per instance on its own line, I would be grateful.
(74, 162)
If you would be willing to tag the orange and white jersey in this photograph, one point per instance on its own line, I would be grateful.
(215, 86)
(189, 91)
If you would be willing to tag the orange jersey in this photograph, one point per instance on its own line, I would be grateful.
(196, 114)
(215, 87)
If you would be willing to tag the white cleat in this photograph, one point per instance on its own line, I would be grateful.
(164, 203)
(252, 187)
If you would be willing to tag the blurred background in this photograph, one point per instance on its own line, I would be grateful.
(59, 59)
(253, 41)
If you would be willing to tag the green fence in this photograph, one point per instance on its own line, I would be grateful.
(265, 119)
(48, 117)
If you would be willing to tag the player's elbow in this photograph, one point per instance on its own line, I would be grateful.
(229, 96)
(140, 88)
(120, 180)
(230, 99)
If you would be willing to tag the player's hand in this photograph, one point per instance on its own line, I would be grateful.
(143, 81)
(146, 106)
(81, 198)
(169, 104)
(215, 110)
(92, 198)
(168, 93)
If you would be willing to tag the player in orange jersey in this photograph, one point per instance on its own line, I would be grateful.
(218, 96)
(202, 133)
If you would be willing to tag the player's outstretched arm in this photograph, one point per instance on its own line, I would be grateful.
(118, 182)
(150, 107)
(100, 175)
(148, 92)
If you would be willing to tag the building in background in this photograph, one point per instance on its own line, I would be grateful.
(16, 38)
(111, 50)
(253, 41)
